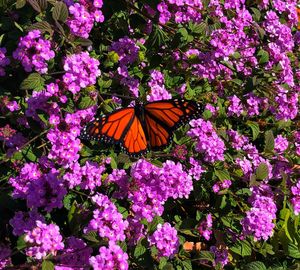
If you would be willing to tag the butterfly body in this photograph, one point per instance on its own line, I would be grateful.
(144, 126)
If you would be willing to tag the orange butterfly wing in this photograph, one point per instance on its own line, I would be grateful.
(121, 127)
(164, 116)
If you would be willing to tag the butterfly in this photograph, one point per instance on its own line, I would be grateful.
(144, 126)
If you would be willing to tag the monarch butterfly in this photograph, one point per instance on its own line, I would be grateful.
(142, 127)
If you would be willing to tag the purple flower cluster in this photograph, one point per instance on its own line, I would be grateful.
(251, 159)
(128, 53)
(128, 80)
(221, 185)
(88, 176)
(63, 136)
(281, 144)
(24, 222)
(39, 189)
(4, 61)
(126, 49)
(205, 227)
(237, 141)
(5, 253)
(107, 221)
(157, 87)
(111, 257)
(221, 255)
(196, 169)
(165, 239)
(44, 240)
(81, 71)
(29, 172)
(153, 186)
(34, 51)
(47, 191)
(295, 191)
(259, 219)
(83, 16)
(286, 104)
(76, 254)
(208, 141)
(182, 10)
(235, 107)
(121, 179)
(14, 143)
(254, 104)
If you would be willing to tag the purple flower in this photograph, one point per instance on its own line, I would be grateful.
(30, 172)
(107, 220)
(205, 227)
(295, 200)
(33, 51)
(157, 88)
(24, 222)
(120, 178)
(83, 15)
(81, 71)
(154, 185)
(221, 185)
(165, 239)
(235, 107)
(44, 239)
(126, 49)
(111, 257)
(259, 219)
(5, 253)
(208, 142)
(221, 255)
(281, 144)
(237, 141)
(196, 169)
(4, 61)
(76, 254)
(47, 192)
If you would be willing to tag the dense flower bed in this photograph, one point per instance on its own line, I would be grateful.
(224, 194)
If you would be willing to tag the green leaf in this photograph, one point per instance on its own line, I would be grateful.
(198, 28)
(35, 5)
(43, 4)
(140, 248)
(60, 12)
(255, 129)
(269, 141)
(86, 102)
(186, 265)
(20, 4)
(34, 81)
(21, 244)
(83, 42)
(68, 200)
(205, 255)
(263, 56)
(293, 250)
(242, 248)
(153, 225)
(255, 266)
(262, 171)
(256, 14)
(91, 236)
(42, 26)
(222, 174)
(47, 265)
(157, 38)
